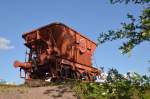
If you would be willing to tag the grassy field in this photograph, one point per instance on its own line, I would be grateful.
(17, 88)
(52, 91)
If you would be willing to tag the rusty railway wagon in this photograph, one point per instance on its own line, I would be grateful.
(58, 52)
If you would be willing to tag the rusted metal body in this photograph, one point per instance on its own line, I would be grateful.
(59, 52)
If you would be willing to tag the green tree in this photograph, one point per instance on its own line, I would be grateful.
(135, 32)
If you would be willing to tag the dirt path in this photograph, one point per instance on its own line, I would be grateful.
(49, 92)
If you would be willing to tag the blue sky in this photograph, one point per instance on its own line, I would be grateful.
(90, 17)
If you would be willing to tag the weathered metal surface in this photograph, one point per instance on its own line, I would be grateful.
(58, 51)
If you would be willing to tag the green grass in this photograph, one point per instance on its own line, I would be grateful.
(147, 94)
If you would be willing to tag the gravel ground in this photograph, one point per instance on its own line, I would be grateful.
(48, 92)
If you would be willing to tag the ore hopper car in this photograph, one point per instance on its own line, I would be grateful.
(58, 52)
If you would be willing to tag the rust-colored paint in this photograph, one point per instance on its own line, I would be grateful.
(58, 51)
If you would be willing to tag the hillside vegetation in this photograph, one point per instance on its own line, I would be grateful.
(116, 86)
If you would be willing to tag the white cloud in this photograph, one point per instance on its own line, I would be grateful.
(5, 44)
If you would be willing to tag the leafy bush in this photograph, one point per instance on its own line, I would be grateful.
(116, 87)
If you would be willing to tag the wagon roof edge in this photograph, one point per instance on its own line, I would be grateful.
(58, 23)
